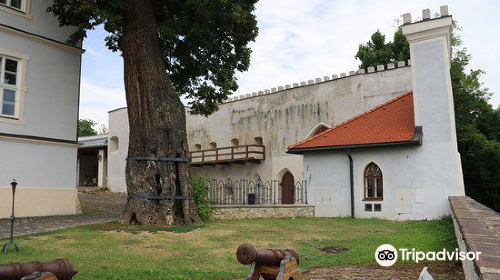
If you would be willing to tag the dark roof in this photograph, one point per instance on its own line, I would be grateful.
(93, 142)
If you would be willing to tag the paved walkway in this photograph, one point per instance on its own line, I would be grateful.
(97, 207)
(478, 230)
(439, 271)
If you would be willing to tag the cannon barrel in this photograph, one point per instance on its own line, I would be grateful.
(248, 254)
(61, 268)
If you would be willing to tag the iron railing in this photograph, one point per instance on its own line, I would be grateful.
(244, 153)
(250, 192)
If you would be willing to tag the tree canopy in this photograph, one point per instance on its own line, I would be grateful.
(86, 127)
(169, 48)
(203, 43)
(477, 122)
(377, 51)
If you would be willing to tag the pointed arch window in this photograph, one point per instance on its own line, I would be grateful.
(374, 182)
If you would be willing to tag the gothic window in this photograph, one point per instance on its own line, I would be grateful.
(373, 182)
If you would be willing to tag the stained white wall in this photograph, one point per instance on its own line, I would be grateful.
(281, 119)
(285, 117)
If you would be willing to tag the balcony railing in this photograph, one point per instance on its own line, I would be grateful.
(229, 155)
(255, 192)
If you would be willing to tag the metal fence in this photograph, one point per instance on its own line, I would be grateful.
(250, 192)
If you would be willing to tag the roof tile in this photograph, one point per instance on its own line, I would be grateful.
(390, 122)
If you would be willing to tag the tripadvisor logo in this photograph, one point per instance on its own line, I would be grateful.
(387, 255)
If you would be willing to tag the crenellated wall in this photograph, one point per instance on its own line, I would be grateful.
(277, 117)
(284, 115)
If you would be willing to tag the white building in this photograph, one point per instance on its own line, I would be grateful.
(396, 123)
(39, 91)
(400, 159)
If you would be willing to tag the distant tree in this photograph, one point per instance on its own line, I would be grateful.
(377, 51)
(103, 129)
(477, 122)
(478, 129)
(169, 48)
(86, 127)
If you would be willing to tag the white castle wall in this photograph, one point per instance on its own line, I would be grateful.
(281, 116)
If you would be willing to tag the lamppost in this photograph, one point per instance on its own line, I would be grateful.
(12, 220)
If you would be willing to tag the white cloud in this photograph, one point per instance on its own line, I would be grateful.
(96, 101)
(301, 40)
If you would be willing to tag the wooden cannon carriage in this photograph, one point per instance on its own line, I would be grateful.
(271, 264)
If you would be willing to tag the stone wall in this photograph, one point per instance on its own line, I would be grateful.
(239, 212)
(477, 228)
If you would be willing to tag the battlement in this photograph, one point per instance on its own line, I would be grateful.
(369, 70)
(426, 15)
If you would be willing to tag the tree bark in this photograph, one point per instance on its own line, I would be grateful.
(157, 124)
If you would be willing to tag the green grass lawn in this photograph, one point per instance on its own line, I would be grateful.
(114, 251)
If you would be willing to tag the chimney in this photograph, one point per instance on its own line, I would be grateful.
(430, 54)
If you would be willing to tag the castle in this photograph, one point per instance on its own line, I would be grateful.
(377, 142)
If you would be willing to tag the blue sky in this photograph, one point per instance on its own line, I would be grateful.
(300, 40)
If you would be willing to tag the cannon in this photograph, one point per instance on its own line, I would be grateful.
(61, 268)
(271, 264)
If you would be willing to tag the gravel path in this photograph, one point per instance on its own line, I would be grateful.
(97, 207)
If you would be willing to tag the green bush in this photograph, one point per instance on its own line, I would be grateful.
(201, 190)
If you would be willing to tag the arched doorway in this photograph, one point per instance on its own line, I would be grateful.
(287, 189)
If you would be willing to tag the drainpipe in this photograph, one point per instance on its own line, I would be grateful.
(351, 178)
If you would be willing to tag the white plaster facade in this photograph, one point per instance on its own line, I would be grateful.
(38, 141)
(417, 180)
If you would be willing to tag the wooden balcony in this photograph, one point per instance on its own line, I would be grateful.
(228, 155)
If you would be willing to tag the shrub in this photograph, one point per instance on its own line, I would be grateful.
(201, 190)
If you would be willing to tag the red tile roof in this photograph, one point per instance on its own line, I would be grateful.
(391, 122)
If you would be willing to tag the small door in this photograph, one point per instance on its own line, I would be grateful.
(403, 201)
(287, 189)
(326, 203)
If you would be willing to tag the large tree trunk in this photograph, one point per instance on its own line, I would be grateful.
(157, 127)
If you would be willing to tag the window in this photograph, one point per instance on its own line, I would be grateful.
(377, 207)
(373, 182)
(213, 145)
(368, 207)
(16, 4)
(319, 128)
(9, 89)
(235, 142)
(114, 144)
